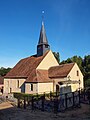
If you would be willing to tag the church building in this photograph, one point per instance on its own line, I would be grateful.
(42, 73)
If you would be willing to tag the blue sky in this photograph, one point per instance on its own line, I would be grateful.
(67, 24)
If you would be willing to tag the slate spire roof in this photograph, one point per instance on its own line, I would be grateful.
(43, 37)
(43, 45)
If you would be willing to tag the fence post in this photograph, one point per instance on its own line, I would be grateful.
(28, 100)
(73, 99)
(32, 103)
(56, 105)
(66, 100)
(84, 95)
(43, 98)
(56, 93)
(79, 96)
(24, 103)
(18, 102)
(50, 95)
(37, 95)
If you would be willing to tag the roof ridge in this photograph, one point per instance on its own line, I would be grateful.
(63, 64)
(68, 63)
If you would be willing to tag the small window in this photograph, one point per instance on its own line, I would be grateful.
(77, 73)
(18, 83)
(31, 87)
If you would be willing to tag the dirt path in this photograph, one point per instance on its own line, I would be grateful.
(8, 112)
(5, 105)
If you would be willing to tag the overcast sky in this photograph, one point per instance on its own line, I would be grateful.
(67, 24)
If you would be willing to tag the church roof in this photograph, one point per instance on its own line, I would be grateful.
(42, 76)
(26, 68)
(43, 37)
(60, 71)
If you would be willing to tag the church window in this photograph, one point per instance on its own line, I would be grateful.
(31, 87)
(18, 83)
(77, 73)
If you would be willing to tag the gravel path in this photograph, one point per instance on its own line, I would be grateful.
(8, 112)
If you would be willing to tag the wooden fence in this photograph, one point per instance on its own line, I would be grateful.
(52, 102)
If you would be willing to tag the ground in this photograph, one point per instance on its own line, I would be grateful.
(10, 112)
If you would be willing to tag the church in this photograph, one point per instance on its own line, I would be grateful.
(41, 73)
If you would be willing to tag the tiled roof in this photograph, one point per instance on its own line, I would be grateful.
(60, 71)
(41, 76)
(1, 80)
(26, 68)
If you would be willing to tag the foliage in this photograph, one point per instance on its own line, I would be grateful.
(57, 56)
(87, 82)
(22, 95)
(4, 71)
(36, 96)
(86, 67)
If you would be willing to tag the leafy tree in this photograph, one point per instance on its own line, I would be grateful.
(4, 71)
(69, 60)
(86, 67)
(57, 56)
(78, 60)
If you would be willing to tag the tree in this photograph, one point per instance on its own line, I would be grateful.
(69, 60)
(79, 61)
(86, 67)
(57, 56)
(4, 71)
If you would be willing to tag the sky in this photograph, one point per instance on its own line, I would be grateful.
(67, 25)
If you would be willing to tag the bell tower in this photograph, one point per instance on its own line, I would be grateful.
(43, 45)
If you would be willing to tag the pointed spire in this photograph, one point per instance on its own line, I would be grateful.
(43, 45)
(43, 37)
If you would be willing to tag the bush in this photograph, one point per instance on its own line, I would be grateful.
(87, 83)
